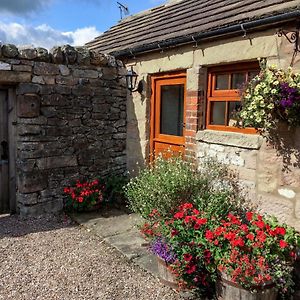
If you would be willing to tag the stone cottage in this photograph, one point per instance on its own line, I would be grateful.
(190, 57)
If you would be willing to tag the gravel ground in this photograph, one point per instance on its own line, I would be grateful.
(55, 259)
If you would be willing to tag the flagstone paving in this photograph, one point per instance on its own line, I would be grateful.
(119, 229)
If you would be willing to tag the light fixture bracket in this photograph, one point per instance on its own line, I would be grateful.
(293, 37)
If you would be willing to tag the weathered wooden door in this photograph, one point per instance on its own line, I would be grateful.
(4, 153)
(168, 114)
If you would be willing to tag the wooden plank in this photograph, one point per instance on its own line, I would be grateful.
(4, 196)
(12, 117)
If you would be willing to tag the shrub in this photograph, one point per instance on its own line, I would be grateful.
(113, 190)
(162, 186)
(249, 249)
(167, 183)
(222, 193)
(254, 250)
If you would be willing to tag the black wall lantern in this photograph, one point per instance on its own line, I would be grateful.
(131, 78)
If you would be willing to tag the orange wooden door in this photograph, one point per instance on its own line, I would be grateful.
(168, 115)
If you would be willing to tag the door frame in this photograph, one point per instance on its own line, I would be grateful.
(11, 127)
(153, 108)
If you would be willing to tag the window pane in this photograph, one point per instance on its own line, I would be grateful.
(238, 80)
(171, 115)
(252, 74)
(233, 108)
(217, 112)
(222, 82)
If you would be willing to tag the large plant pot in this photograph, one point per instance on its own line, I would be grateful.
(166, 276)
(228, 290)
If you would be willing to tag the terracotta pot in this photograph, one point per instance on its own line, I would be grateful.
(166, 276)
(228, 290)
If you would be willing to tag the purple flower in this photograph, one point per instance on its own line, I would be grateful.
(160, 248)
(289, 95)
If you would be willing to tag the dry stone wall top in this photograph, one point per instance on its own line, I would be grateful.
(70, 106)
(59, 55)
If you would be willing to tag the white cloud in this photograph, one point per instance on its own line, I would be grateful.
(44, 35)
(82, 35)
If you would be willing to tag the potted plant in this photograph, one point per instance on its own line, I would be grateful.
(255, 256)
(84, 196)
(194, 266)
(165, 258)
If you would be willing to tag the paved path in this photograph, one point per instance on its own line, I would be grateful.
(119, 229)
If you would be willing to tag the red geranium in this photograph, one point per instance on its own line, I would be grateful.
(84, 195)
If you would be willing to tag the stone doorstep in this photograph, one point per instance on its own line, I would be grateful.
(120, 232)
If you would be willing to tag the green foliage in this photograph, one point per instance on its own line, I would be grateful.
(162, 186)
(167, 183)
(222, 193)
(114, 187)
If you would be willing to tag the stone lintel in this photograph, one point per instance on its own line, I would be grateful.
(14, 77)
(235, 139)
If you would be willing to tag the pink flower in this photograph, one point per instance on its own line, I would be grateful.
(249, 216)
(187, 257)
(178, 215)
(280, 230)
(190, 269)
(209, 235)
(283, 244)
(250, 236)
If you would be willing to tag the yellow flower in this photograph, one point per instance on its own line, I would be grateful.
(273, 91)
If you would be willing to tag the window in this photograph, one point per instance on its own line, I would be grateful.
(224, 92)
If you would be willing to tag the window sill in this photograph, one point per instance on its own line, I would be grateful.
(235, 139)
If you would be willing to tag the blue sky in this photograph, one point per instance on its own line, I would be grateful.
(50, 22)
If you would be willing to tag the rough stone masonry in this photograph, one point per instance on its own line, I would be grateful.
(70, 120)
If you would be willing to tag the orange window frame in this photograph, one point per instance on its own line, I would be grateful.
(228, 95)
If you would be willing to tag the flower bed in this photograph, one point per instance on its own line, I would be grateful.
(252, 250)
(214, 233)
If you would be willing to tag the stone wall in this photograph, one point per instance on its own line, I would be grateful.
(70, 120)
(268, 169)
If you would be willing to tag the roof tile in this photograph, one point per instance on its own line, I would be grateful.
(186, 17)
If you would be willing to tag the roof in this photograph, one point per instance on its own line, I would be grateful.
(179, 20)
